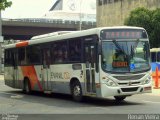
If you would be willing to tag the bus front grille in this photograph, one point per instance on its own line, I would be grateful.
(133, 83)
(133, 77)
(129, 89)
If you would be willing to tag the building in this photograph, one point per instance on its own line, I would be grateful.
(77, 10)
(114, 12)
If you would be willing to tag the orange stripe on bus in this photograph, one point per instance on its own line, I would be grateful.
(22, 44)
(30, 72)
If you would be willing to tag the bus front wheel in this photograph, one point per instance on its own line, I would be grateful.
(119, 98)
(76, 91)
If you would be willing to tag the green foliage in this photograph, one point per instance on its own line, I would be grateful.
(4, 4)
(148, 19)
(156, 26)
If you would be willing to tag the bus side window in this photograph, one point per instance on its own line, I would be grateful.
(9, 58)
(158, 56)
(75, 50)
(46, 57)
(53, 53)
(6, 61)
(34, 55)
(21, 56)
(59, 52)
(153, 56)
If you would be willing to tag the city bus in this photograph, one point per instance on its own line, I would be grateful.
(99, 62)
(155, 60)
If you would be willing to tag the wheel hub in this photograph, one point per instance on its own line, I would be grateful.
(77, 91)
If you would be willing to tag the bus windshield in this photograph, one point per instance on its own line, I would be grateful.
(125, 56)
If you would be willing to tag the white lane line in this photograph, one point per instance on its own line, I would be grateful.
(151, 102)
(13, 95)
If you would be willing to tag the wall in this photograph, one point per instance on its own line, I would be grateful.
(115, 12)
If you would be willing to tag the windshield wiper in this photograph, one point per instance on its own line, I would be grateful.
(133, 48)
(127, 56)
(118, 46)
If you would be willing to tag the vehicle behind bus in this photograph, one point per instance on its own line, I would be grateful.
(100, 62)
(155, 60)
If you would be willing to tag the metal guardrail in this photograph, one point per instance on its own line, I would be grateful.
(44, 20)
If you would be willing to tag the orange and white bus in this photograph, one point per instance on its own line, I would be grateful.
(99, 62)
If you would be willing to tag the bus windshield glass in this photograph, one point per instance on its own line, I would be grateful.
(125, 56)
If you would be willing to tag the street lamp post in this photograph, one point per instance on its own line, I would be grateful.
(80, 19)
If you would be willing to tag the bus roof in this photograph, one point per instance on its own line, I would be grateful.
(51, 34)
(55, 36)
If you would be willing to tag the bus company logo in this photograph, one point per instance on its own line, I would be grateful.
(130, 83)
(66, 75)
(9, 117)
(60, 75)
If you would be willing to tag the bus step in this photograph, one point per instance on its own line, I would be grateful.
(47, 92)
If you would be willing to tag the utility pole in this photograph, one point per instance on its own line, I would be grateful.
(80, 19)
(121, 11)
(1, 41)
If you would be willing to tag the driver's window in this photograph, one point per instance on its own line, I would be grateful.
(108, 53)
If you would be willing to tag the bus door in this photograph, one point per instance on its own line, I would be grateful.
(90, 66)
(46, 72)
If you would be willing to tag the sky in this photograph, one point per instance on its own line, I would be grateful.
(27, 8)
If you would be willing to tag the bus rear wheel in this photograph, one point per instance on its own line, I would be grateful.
(76, 91)
(119, 98)
(27, 86)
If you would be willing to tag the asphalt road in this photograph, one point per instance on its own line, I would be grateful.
(39, 106)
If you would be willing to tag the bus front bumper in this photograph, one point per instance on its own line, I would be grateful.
(107, 91)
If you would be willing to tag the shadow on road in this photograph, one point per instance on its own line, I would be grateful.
(52, 99)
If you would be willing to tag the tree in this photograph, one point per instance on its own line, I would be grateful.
(4, 4)
(139, 17)
(156, 26)
(148, 19)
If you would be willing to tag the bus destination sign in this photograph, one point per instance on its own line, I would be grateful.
(123, 34)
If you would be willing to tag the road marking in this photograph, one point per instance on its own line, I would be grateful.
(17, 96)
(151, 102)
(13, 95)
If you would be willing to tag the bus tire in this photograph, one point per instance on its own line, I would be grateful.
(119, 98)
(76, 90)
(27, 86)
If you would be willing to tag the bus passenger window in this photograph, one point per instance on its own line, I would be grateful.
(158, 56)
(9, 58)
(59, 52)
(59, 56)
(153, 56)
(53, 52)
(46, 57)
(34, 55)
(21, 56)
(75, 50)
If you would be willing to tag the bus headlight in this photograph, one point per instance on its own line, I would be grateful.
(147, 80)
(109, 82)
